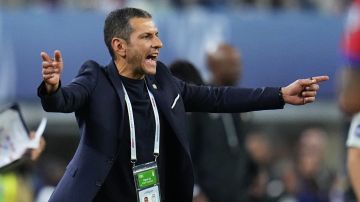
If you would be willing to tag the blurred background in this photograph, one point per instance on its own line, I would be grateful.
(279, 41)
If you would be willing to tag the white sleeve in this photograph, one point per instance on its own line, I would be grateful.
(353, 139)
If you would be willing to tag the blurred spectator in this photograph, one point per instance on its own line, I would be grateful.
(316, 179)
(308, 179)
(186, 71)
(349, 95)
(289, 180)
(218, 140)
(260, 150)
(350, 103)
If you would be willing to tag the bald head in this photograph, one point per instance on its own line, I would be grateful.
(224, 62)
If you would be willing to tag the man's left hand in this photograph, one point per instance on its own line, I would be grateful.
(34, 154)
(302, 91)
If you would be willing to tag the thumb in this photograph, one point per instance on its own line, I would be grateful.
(306, 82)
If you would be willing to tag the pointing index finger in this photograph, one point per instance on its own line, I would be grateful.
(320, 78)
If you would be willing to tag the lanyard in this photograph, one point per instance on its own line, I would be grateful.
(132, 125)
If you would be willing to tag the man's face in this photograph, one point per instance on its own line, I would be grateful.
(143, 47)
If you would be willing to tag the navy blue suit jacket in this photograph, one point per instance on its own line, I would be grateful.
(97, 98)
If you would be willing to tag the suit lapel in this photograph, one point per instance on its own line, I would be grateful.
(160, 96)
(163, 101)
(116, 82)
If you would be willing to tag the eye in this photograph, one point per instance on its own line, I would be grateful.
(146, 36)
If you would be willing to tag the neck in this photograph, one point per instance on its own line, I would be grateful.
(125, 70)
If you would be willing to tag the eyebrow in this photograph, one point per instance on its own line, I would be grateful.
(149, 33)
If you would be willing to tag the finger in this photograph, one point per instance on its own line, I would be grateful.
(305, 82)
(313, 87)
(308, 93)
(309, 100)
(320, 78)
(57, 55)
(46, 64)
(50, 71)
(45, 56)
(35, 153)
(47, 77)
(56, 64)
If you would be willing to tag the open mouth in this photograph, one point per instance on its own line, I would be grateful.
(152, 57)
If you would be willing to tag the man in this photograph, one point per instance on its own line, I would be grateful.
(349, 95)
(114, 102)
(349, 101)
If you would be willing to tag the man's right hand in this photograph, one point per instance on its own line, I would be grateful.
(51, 70)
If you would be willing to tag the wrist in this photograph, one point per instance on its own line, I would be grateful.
(281, 95)
(51, 88)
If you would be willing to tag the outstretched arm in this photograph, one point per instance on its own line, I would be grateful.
(302, 91)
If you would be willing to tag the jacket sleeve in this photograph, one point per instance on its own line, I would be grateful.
(73, 96)
(229, 99)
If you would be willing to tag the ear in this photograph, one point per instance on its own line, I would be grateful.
(119, 46)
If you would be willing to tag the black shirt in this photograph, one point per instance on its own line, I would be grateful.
(143, 117)
(119, 184)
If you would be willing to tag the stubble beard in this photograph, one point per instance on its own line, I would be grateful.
(136, 62)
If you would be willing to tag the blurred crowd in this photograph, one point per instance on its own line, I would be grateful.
(326, 6)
